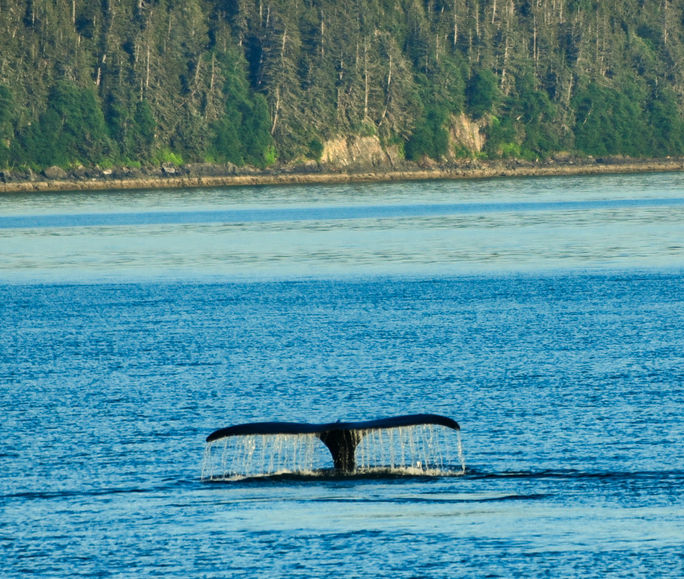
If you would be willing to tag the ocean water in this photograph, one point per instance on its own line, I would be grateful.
(544, 315)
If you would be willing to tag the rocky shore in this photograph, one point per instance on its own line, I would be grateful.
(209, 175)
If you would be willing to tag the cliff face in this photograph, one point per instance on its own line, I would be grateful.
(254, 82)
(465, 134)
(357, 153)
(466, 137)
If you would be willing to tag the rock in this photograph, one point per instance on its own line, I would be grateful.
(119, 173)
(466, 134)
(354, 153)
(23, 174)
(209, 169)
(171, 170)
(613, 160)
(395, 156)
(134, 173)
(304, 166)
(79, 173)
(55, 172)
(562, 157)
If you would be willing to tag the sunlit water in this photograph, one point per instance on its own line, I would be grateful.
(416, 229)
(544, 315)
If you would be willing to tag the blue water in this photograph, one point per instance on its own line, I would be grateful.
(553, 333)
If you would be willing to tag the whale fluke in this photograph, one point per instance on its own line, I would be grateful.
(341, 438)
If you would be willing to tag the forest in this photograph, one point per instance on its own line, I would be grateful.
(269, 82)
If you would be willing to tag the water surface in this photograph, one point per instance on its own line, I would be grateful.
(545, 315)
(424, 229)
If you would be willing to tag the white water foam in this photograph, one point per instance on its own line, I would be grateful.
(425, 450)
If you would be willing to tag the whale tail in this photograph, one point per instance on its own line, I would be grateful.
(341, 438)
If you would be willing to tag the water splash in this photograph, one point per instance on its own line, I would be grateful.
(426, 450)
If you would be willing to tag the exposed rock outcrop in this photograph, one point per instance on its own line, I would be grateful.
(465, 133)
(358, 153)
(54, 173)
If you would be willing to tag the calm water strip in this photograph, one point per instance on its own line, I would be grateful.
(327, 213)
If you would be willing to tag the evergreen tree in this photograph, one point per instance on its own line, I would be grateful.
(482, 93)
(242, 135)
(610, 122)
(71, 131)
(6, 121)
(667, 123)
(430, 137)
(248, 80)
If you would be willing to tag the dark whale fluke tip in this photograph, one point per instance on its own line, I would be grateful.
(341, 438)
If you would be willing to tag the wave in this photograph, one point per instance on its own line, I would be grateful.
(95, 492)
(378, 473)
(573, 474)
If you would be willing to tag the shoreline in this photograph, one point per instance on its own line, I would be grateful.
(170, 179)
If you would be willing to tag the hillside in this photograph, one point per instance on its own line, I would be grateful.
(265, 82)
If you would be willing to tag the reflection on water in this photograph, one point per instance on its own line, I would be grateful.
(440, 228)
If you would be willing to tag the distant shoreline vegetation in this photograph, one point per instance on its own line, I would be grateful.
(162, 88)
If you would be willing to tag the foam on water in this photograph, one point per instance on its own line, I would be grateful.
(425, 449)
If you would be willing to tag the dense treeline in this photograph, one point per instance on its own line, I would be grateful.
(251, 81)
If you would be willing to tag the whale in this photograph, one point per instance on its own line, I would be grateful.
(341, 438)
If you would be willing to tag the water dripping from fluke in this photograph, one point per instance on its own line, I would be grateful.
(409, 445)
